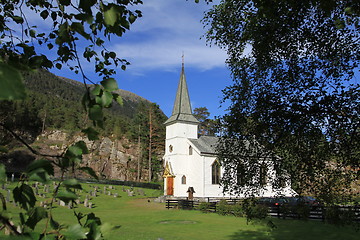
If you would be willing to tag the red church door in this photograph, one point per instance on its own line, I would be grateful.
(170, 186)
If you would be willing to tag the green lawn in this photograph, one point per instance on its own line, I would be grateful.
(137, 218)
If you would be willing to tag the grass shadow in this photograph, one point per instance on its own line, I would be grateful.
(246, 235)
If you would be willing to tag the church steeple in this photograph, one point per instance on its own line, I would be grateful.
(182, 108)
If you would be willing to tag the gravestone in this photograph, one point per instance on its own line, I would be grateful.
(8, 195)
(93, 193)
(86, 202)
(141, 192)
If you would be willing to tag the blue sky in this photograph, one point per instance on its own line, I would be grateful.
(154, 46)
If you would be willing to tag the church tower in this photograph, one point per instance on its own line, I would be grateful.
(181, 126)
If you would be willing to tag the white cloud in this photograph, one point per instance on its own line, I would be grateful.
(166, 30)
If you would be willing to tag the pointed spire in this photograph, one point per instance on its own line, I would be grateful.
(182, 107)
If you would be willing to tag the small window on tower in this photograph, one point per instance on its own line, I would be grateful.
(171, 148)
(183, 179)
(190, 150)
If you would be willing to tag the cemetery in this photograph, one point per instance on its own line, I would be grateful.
(134, 213)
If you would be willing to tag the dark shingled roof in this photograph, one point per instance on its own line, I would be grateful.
(182, 108)
(206, 144)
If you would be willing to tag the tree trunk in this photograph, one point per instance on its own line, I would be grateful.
(150, 143)
(139, 157)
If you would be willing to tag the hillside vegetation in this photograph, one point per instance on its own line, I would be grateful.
(54, 104)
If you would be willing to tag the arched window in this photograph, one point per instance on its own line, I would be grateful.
(240, 174)
(263, 174)
(190, 150)
(171, 148)
(183, 179)
(215, 172)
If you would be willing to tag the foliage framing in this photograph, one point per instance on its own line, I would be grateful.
(77, 31)
(295, 94)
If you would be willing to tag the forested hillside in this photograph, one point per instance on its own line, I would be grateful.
(54, 104)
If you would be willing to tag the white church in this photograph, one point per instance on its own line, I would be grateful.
(190, 161)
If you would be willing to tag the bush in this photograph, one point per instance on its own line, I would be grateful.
(255, 211)
(204, 207)
(302, 211)
(337, 216)
(238, 210)
(223, 208)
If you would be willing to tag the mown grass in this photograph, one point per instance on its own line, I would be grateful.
(140, 218)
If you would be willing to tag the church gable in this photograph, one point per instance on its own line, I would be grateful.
(205, 145)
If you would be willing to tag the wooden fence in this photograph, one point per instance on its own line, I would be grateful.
(285, 212)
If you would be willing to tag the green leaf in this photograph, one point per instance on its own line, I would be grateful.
(125, 23)
(96, 90)
(54, 224)
(35, 215)
(39, 176)
(75, 232)
(85, 17)
(18, 19)
(24, 196)
(11, 82)
(86, 5)
(110, 16)
(106, 230)
(32, 33)
(79, 28)
(91, 133)
(93, 223)
(109, 84)
(40, 164)
(44, 14)
(91, 218)
(66, 195)
(89, 171)
(72, 183)
(65, 2)
(118, 99)
(106, 99)
(132, 18)
(76, 150)
(2, 173)
(64, 162)
(95, 113)
(85, 100)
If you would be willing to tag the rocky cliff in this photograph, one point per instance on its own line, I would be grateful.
(110, 158)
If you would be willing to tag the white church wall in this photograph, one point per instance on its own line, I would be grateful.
(181, 130)
(211, 190)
